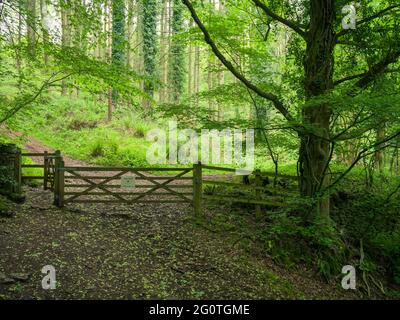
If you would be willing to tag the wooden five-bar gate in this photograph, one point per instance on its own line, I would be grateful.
(124, 185)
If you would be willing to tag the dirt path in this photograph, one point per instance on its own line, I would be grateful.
(135, 252)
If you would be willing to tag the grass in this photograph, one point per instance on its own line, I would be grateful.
(78, 128)
(31, 171)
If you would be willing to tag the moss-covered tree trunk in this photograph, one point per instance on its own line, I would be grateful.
(318, 66)
(177, 53)
(118, 39)
(149, 48)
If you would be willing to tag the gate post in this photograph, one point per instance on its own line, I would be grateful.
(45, 170)
(61, 184)
(58, 201)
(197, 188)
(18, 172)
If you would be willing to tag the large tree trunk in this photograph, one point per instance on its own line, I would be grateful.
(318, 65)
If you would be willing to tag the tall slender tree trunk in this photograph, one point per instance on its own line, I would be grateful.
(220, 76)
(318, 65)
(18, 57)
(210, 79)
(379, 160)
(197, 74)
(163, 51)
(176, 72)
(190, 63)
(129, 35)
(110, 107)
(45, 28)
(118, 39)
(138, 63)
(31, 26)
(65, 38)
(149, 48)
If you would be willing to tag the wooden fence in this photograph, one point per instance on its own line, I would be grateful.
(72, 184)
(258, 193)
(49, 163)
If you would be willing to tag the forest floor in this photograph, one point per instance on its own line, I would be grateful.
(145, 251)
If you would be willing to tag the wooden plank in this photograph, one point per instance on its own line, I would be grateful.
(119, 186)
(218, 168)
(33, 154)
(238, 185)
(284, 176)
(251, 201)
(127, 202)
(32, 177)
(266, 173)
(95, 193)
(137, 178)
(127, 169)
(32, 166)
(231, 184)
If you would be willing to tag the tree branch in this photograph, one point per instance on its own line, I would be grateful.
(266, 95)
(379, 145)
(47, 83)
(378, 68)
(337, 82)
(374, 71)
(292, 25)
(368, 19)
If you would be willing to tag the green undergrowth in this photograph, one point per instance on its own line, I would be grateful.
(364, 233)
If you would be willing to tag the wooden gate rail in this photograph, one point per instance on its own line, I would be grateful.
(275, 200)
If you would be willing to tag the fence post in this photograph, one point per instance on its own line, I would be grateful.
(258, 184)
(197, 188)
(61, 184)
(57, 163)
(45, 170)
(18, 171)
